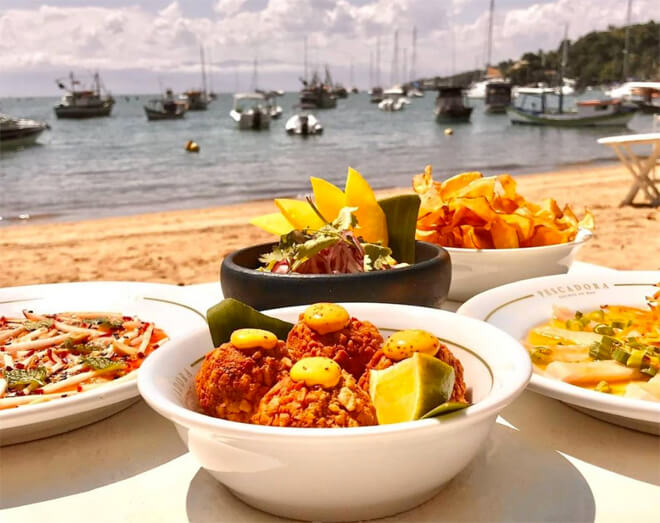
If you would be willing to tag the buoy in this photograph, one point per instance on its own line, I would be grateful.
(449, 131)
(192, 147)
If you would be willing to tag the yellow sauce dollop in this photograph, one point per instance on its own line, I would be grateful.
(316, 371)
(325, 318)
(253, 339)
(404, 344)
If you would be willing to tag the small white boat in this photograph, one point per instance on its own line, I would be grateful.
(393, 100)
(18, 132)
(303, 124)
(251, 111)
(413, 92)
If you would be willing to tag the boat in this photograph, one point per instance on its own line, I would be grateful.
(498, 97)
(534, 108)
(166, 107)
(376, 95)
(317, 94)
(18, 132)
(251, 111)
(414, 92)
(198, 99)
(83, 103)
(303, 124)
(450, 105)
(393, 100)
(274, 109)
(340, 91)
(646, 95)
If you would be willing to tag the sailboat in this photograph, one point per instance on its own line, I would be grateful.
(376, 94)
(198, 99)
(413, 90)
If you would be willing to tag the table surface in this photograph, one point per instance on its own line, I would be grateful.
(631, 139)
(543, 461)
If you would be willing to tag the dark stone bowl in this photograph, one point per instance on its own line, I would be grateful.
(425, 283)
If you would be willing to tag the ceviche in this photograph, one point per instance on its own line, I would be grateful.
(615, 349)
(328, 370)
(48, 356)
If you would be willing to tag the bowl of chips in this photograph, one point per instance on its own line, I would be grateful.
(493, 234)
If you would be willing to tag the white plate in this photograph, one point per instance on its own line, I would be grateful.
(517, 307)
(341, 474)
(149, 301)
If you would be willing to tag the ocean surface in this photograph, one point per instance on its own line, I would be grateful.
(125, 165)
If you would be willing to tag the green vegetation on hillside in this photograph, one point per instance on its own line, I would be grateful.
(593, 59)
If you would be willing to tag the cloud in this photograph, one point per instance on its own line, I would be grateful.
(339, 32)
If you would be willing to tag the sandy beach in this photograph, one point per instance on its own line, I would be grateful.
(184, 247)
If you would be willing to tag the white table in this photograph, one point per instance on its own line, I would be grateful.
(543, 461)
(641, 168)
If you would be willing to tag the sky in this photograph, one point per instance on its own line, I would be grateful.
(139, 46)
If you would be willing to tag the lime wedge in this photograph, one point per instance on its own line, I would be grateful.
(410, 388)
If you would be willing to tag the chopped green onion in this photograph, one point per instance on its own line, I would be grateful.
(541, 355)
(604, 329)
(651, 371)
(578, 315)
(610, 342)
(636, 358)
(618, 325)
(621, 355)
(600, 351)
(603, 386)
(596, 315)
(574, 325)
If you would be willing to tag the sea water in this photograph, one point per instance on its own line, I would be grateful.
(125, 164)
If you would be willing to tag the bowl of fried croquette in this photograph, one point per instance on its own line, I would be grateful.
(424, 283)
(338, 419)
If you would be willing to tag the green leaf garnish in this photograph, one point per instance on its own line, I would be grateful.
(445, 408)
(103, 364)
(26, 377)
(34, 325)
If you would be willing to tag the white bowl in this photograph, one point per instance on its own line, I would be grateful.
(518, 307)
(351, 473)
(477, 270)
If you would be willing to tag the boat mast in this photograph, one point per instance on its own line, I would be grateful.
(378, 61)
(371, 69)
(562, 68)
(404, 76)
(490, 35)
(413, 58)
(201, 56)
(626, 62)
(210, 71)
(305, 62)
(395, 59)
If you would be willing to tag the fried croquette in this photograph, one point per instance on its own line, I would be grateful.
(294, 404)
(352, 347)
(231, 382)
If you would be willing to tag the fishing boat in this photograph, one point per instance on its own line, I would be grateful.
(303, 124)
(83, 103)
(166, 107)
(250, 111)
(538, 108)
(376, 95)
(198, 99)
(393, 100)
(340, 91)
(317, 94)
(18, 132)
(450, 105)
(498, 97)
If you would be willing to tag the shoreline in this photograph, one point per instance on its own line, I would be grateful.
(165, 246)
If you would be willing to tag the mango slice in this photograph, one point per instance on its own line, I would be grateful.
(328, 198)
(372, 221)
(299, 213)
(274, 223)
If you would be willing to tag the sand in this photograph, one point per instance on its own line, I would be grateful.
(184, 247)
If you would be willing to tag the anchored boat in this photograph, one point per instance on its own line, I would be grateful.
(17, 132)
(165, 108)
(303, 124)
(251, 111)
(535, 108)
(450, 105)
(83, 103)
